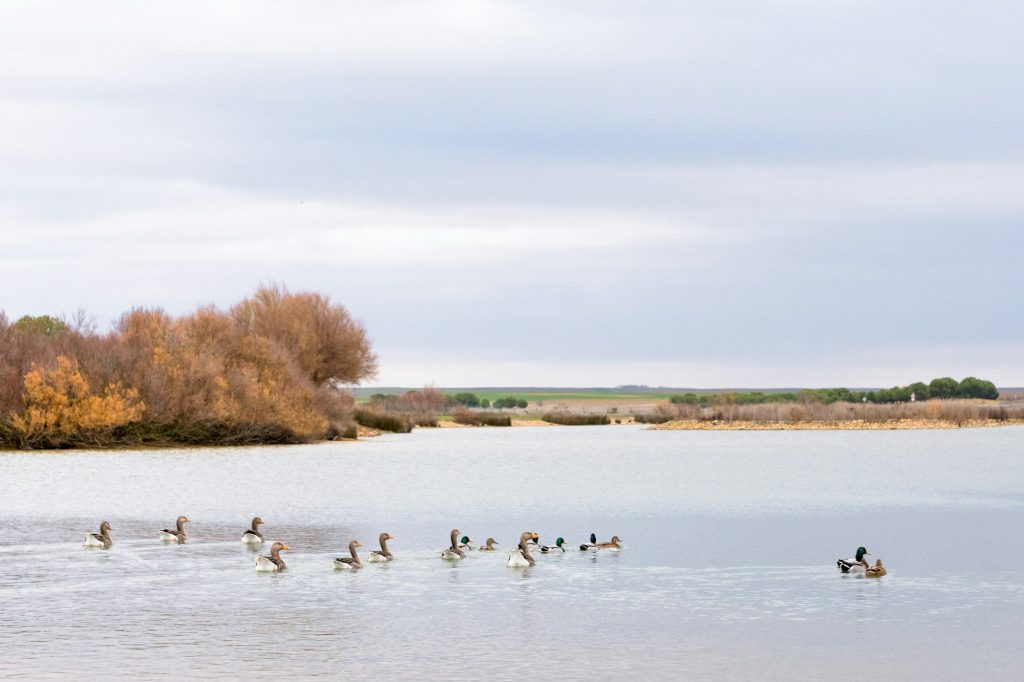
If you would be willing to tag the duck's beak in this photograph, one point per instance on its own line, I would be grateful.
(286, 547)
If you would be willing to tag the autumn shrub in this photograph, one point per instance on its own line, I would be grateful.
(61, 409)
(269, 370)
(651, 418)
(480, 418)
(383, 421)
(574, 419)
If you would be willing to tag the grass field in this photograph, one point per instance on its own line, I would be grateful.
(535, 395)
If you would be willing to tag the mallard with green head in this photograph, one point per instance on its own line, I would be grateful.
(556, 548)
(858, 565)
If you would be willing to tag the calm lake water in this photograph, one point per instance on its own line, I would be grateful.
(727, 569)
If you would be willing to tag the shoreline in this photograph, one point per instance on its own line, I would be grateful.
(840, 425)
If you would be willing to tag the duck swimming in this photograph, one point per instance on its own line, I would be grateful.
(453, 553)
(858, 565)
(253, 536)
(876, 571)
(614, 543)
(383, 554)
(591, 545)
(520, 556)
(178, 535)
(273, 563)
(101, 539)
(489, 546)
(349, 563)
(556, 548)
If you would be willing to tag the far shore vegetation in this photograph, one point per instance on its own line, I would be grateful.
(278, 367)
(941, 402)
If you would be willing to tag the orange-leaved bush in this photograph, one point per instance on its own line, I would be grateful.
(272, 369)
(61, 410)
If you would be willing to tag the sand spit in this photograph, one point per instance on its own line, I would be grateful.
(844, 425)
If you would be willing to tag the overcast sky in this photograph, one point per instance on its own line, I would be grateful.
(719, 193)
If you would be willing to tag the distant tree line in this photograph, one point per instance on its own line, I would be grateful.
(472, 400)
(943, 388)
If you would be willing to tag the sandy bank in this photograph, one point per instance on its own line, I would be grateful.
(846, 425)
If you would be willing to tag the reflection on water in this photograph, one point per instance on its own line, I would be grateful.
(727, 568)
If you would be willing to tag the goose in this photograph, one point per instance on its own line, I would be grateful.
(253, 536)
(876, 571)
(591, 545)
(520, 556)
(384, 554)
(351, 563)
(489, 546)
(858, 565)
(614, 543)
(101, 539)
(178, 535)
(453, 553)
(274, 562)
(557, 547)
(465, 542)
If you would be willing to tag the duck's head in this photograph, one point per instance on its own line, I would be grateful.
(465, 540)
(878, 563)
(279, 547)
(184, 519)
(257, 521)
(491, 542)
(861, 553)
(387, 536)
(354, 544)
(615, 540)
(105, 526)
(559, 542)
(593, 538)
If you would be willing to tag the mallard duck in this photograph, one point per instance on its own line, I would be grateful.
(274, 562)
(489, 546)
(383, 554)
(177, 535)
(615, 543)
(520, 556)
(253, 536)
(453, 553)
(349, 563)
(101, 539)
(591, 545)
(465, 543)
(556, 548)
(858, 565)
(876, 571)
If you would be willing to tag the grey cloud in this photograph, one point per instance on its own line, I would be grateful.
(698, 184)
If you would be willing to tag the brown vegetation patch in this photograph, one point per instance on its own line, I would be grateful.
(266, 370)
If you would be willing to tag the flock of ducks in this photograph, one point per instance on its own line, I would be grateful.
(519, 557)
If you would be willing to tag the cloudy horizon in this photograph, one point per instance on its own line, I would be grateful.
(700, 194)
